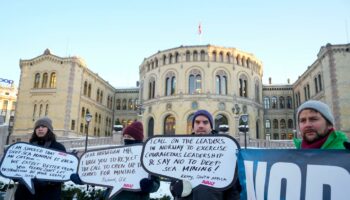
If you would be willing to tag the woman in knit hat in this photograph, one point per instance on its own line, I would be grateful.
(133, 134)
(42, 136)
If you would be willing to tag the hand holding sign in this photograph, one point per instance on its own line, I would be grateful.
(119, 168)
(206, 160)
(25, 161)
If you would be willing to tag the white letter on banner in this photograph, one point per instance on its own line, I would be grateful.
(336, 177)
(289, 171)
(259, 180)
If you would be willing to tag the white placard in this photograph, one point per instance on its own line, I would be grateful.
(26, 161)
(201, 160)
(119, 168)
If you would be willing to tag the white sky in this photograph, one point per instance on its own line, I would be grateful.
(115, 36)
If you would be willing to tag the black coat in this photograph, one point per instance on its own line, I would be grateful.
(44, 190)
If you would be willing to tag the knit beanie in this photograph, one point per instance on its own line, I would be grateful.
(319, 107)
(135, 130)
(44, 121)
(205, 114)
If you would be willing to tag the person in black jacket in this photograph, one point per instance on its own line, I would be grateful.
(202, 123)
(42, 136)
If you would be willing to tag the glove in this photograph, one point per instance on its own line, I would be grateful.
(146, 185)
(76, 179)
(347, 145)
(180, 188)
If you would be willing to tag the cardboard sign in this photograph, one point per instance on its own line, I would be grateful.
(25, 161)
(118, 168)
(201, 160)
(294, 174)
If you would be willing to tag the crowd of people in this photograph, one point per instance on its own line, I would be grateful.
(315, 124)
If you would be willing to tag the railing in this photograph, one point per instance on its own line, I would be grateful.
(268, 144)
(92, 142)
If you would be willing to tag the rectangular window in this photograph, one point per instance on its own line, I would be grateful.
(72, 125)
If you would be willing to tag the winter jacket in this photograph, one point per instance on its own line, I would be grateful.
(335, 140)
(44, 190)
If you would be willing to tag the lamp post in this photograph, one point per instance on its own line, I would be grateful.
(244, 127)
(88, 118)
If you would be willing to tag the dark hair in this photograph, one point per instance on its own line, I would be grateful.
(50, 136)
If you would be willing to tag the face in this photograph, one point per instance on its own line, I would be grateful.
(201, 125)
(126, 136)
(312, 125)
(41, 131)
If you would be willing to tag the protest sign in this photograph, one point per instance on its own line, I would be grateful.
(294, 174)
(25, 161)
(201, 160)
(118, 168)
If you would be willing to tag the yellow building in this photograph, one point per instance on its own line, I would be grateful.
(63, 89)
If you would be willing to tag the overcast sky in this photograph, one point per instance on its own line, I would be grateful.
(114, 37)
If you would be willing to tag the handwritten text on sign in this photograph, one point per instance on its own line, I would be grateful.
(119, 168)
(206, 160)
(25, 161)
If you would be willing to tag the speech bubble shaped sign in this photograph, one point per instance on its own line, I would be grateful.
(118, 168)
(25, 161)
(201, 160)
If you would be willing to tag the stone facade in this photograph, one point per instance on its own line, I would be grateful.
(63, 89)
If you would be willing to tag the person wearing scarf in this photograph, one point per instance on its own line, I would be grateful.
(316, 125)
(44, 190)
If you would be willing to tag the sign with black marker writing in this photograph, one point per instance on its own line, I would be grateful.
(118, 168)
(25, 161)
(201, 160)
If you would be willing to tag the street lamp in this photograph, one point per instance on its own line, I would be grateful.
(244, 127)
(88, 118)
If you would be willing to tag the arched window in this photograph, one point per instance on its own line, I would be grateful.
(188, 56)
(275, 124)
(189, 124)
(83, 113)
(320, 82)
(221, 82)
(237, 60)
(202, 55)
(283, 123)
(221, 57)
(150, 128)
(228, 57)
(44, 83)
(124, 104)
(257, 91)
(53, 80)
(176, 57)
(34, 112)
(101, 96)
(169, 125)
(96, 117)
(290, 123)
(156, 62)
(85, 88)
(289, 102)
(40, 110)
(170, 84)
(282, 103)
(81, 128)
(117, 104)
(220, 120)
(316, 84)
(243, 86)
(164, 59)
(267, 124)
(170, 58)
(98, 95)
(89, 90)
(214, 56)
(99, 118)
(195, 82)
(47, 109)
(274, 102)
(37, 80)
(195, 56)
(266, 102)
(136, 104)
(130, 106)
(151, 88)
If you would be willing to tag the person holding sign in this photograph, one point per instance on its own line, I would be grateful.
(316, 125)
(202, 123)
(133, 134)
(42, 136)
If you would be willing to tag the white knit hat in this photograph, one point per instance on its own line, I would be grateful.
(319, 107)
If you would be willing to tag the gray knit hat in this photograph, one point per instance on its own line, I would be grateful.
(44, 121)
(319, 107)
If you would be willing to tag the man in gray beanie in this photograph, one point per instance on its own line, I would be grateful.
(316, 126)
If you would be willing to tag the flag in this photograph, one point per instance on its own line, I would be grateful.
(199, 29)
